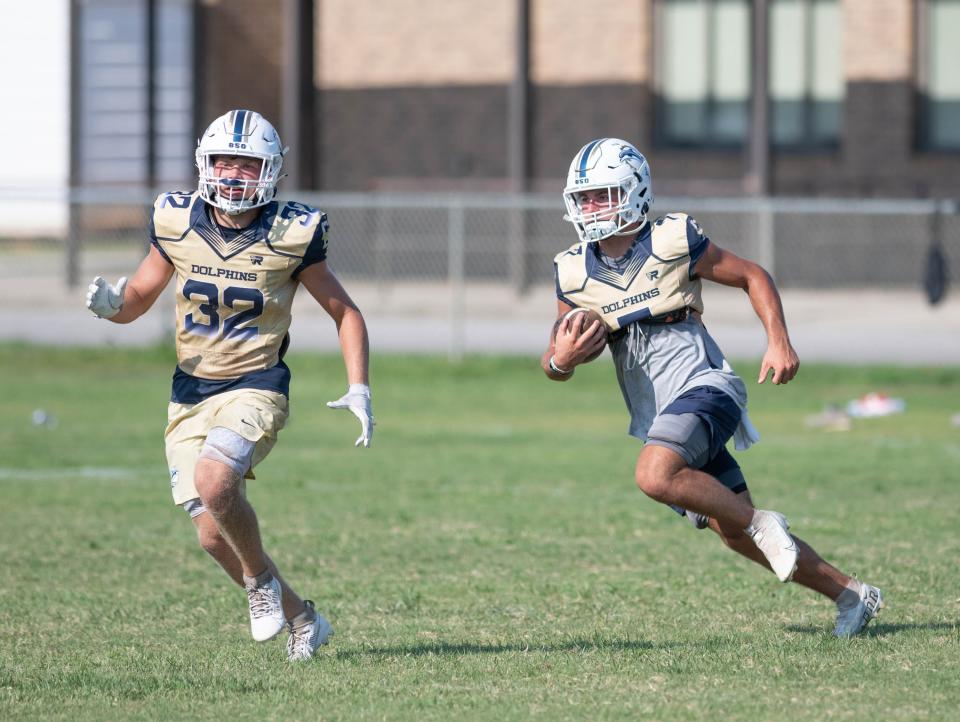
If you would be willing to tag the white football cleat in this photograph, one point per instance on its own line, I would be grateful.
(853, 619)
(307, 638)
(769, 532)
(266, 610)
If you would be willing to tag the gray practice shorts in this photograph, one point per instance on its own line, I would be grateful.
(689, 436)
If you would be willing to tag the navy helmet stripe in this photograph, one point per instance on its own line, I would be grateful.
(586, 155)
(238, 125)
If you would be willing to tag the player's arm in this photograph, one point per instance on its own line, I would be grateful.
(729, 269)
(128, 301)
(568, 349)
(319, 280)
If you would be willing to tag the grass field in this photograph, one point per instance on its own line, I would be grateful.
(488, 558)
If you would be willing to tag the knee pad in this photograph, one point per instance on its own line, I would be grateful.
(229, 448)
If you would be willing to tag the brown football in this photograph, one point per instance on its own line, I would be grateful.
(580, 320)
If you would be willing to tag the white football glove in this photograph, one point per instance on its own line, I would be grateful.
(104, 300)
(357, 400)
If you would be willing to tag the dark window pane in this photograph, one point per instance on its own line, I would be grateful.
(945, 124)
(730, 122)
(684, 122)
(786, 122)
(826, 122)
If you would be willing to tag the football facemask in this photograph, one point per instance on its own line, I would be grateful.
(244, 134)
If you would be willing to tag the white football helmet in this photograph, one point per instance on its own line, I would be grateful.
(240, 133)
(618, 167)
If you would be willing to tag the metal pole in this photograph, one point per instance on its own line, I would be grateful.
(199, 75)
(72, 240)
(518, 121)
(150, 41)
(758, 178)
(766, 255)
(921, 19)
(518, 145)
(384, 245)
(455, 274)
(298, 92)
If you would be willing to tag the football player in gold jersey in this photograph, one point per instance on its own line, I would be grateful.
(685, 401)
(238, 257)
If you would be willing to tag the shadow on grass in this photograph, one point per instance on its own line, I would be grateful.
(879, 629)
(594, 644)
(465, 648)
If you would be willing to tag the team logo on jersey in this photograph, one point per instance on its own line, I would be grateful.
(174, 477)
(631, 300)
(256, 260)
(653, 275)
(227, 273)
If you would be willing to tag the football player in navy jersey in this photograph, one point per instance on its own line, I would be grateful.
(685, 401)
(238, 257)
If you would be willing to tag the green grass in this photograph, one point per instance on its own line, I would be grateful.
(488, 558)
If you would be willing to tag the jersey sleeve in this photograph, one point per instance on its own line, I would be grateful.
(569, 272)
(152, 233)
(556, 280)
(697, 242)
(317, 248)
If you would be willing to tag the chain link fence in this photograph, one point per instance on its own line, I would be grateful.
(509, 239)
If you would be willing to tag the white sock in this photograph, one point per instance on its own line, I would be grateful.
(753, 522)
(260, 580)
(305, 617)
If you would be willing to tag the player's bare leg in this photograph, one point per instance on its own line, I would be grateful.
(221, 491)
(664, 475)
(214, 544)
(309, 629)
(219, 488)
(217, 547)
(857, 603)
(812, 571)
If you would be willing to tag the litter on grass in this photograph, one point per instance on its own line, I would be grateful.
(873, 405)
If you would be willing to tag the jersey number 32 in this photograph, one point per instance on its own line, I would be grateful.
(235, 326)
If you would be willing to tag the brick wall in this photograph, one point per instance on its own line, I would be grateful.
(414, 93)
(240, 57)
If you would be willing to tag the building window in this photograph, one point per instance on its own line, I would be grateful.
(703, 71)
(806, 75)
(703, 59)
(939, 82)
